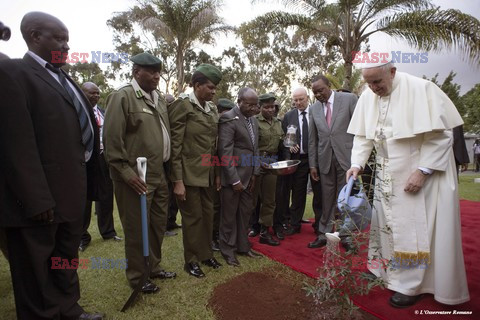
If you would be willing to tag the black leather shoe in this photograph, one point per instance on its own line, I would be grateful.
(399, 300)
(164, 275)
(83, 246)
(251, 254)
(215, 245)
(149, 287)
(292, 230)
(231, 261)
(253, 233)
(305, 221)
(114, 238)
(266, 238)
(91, 316)
(173, 226)
(279, 234)
(318, 243)
(212, 262)
(194, 270)
(170, 233)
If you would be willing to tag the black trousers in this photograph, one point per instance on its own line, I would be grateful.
(41, 290)
(103, 209)
(281, 214)
(299, 181)
(172, 208)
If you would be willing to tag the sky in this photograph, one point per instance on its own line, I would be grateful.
(86, 21)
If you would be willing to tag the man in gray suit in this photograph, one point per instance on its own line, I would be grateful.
(238, 144)
(330, 148)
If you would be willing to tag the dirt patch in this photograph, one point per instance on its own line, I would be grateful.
(262, 295)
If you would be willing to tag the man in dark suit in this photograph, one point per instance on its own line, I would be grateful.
(460, 149)
(48, 163)
(103, 207)
(297, 182)
(330, 149)
(238, 144)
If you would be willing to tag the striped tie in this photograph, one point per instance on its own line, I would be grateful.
(250, 131)
(87, 134)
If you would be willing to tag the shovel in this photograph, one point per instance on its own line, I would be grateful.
(142, 171)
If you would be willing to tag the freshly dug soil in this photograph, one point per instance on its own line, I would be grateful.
(264, 295)
(255, 295)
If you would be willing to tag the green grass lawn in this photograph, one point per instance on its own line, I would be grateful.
(106, 291)
(183, 298)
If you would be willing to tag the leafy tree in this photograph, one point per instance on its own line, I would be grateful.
(90, 72)
(347, 24)
(270, 61)
(471, 104)
(451, 89)
(181, 24)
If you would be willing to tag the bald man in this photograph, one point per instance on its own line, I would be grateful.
(103, 207)
(297, 182)
(48, 165)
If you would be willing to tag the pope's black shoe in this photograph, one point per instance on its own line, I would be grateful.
(194, 270)
(318, 243)
(212, 262)
(399, 300)
(149, 287)
(163, 275)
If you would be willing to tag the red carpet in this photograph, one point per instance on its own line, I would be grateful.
(293, 252)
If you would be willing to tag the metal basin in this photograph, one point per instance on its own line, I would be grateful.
(282, 168)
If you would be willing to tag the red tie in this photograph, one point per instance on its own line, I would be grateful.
(98, 118)
(328, 116)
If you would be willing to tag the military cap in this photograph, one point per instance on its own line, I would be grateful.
(211, 72)
(266, 97)
(146, 59)
(225, 103)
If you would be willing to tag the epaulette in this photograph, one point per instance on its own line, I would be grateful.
(183, 95)
(123, 86)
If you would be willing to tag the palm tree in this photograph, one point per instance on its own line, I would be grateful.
(347, 24)
(181, 23)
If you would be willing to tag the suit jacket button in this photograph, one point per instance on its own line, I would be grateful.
(83, 163)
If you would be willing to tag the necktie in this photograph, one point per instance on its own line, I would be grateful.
(304, 132)
(250, 131)
(328, 116)
(87, 134)
(98, 117)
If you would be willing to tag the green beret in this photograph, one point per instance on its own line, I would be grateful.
(211, 72)
(225, 103)
(145, 59)
(266, 97)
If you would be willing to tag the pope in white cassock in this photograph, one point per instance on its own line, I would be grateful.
(416, 218)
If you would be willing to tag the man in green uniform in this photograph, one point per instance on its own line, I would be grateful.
(136, 125)
(270, 136)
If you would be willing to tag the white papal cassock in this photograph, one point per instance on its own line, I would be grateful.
(411, 129)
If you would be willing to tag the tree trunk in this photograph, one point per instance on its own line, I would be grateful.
(180, 71)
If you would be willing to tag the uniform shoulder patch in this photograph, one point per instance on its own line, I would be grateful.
(123, 86)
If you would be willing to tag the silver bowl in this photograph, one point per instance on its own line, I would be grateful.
(282, 168)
